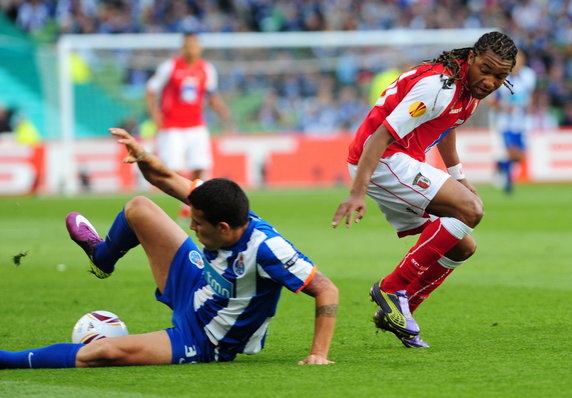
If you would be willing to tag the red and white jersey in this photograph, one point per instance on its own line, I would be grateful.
(418, 110)
(182, 88)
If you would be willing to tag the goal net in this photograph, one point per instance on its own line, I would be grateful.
(315, 83)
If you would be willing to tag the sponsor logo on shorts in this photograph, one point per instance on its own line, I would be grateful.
(196, 258)
(456, 110)
(238, 265)
(417, 109)
(291, 261)
(422, 181)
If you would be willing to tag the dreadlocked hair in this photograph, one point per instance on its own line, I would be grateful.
(497, 42)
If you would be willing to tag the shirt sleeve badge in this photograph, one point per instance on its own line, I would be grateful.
(417, 109)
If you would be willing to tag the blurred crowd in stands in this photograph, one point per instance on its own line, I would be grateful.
(541, 28)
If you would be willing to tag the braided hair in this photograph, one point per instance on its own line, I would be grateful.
(497, 42)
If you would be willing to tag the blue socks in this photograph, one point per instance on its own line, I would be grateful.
(53, 356)
(505, 169)
(119, 240)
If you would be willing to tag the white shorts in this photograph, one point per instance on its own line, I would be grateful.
(403, 187)
(185, 149)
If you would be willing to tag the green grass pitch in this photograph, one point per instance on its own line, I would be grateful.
(499, 327)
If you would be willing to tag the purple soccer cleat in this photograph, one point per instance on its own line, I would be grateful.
(410, 342)
(394, 312)
(84, 234)
(414, 342)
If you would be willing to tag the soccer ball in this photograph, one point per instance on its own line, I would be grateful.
(98, 325)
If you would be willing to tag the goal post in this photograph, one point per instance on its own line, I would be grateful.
(246, 56)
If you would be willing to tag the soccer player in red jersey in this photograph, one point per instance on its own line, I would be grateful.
(175, 97)
(386, 160)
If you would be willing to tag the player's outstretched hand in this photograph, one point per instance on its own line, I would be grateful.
(136, 151)
(314, 359)
(348, 208)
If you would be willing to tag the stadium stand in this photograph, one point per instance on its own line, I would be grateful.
(542, 29)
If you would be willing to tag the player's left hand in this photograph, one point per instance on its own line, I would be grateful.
(136, 151)
(314, 359)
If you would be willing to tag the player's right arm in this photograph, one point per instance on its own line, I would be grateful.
(152, 101)
(397, 101)
(153, 169)
(373, 149)
(154, 88)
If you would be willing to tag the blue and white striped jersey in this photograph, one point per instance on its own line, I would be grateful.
(515, 114)
(243, 284)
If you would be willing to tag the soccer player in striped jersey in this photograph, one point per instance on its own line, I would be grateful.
(223, 297)
(511, 121)
(421, 109)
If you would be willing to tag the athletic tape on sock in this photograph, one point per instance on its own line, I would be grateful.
(448, 263)
(456, 227)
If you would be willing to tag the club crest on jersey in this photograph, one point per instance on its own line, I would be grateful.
(238, 265)
(422, 181)
(196, 258)
(417, 109)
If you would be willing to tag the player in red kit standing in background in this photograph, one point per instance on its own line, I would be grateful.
(175, 98)
(386, 160)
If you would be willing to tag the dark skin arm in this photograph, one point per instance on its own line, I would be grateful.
(372, 151)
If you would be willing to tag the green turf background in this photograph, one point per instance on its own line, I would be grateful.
(499, 327)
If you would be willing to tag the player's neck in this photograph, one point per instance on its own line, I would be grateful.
(236, 234)
(190, 60)
(463, 76)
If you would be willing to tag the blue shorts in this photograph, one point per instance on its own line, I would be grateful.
(188, 340)
(513, 139)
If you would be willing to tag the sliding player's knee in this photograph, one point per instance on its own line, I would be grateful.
(136, 206)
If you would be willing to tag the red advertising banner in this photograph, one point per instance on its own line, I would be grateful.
(272, 161)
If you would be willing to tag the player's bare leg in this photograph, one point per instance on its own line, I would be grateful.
(421, 288)
(159, 235)
(459, 210)
(457, 201)
(453, 200)
(138, 349)
(506, 167)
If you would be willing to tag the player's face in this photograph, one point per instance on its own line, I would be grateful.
(208, 234)
(486, 73)
(191, 48)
